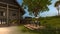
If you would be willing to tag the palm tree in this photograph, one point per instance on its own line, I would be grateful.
(57, 5)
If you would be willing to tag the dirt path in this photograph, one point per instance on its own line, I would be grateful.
(9, 30)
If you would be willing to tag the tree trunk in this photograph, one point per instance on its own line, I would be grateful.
(58, 13)
(36, 18)
(35, 14)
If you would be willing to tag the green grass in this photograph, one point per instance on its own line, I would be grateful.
(24, 30)
(50, 22)
(53, 21)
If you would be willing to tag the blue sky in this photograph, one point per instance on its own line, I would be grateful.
(52, 10)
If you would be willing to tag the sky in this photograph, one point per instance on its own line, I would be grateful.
(52, 10)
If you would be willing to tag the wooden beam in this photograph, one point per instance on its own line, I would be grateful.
(9, 4)
(19, 15)
(2, 7)
(2, 10)
(8, 8)
(13, 9)
(7, 15)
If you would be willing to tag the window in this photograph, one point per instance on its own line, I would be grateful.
(13, 14)
(2, 13)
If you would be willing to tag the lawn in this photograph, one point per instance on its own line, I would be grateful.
(24, 30)
(51, 22)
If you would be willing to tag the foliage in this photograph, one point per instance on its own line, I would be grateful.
(36, 6)
(52, 21)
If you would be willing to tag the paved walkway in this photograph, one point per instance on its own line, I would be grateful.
(9, 30)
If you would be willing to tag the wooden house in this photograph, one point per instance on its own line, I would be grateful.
(10, 10)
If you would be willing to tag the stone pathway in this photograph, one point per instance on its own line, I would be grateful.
(9, 30)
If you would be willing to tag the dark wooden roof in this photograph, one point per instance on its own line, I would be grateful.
(13, 2)
(9, 1)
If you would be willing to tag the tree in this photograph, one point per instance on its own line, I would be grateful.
(36, 6)
(57, 4)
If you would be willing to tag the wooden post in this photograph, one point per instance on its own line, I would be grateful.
(19, 16)
(7, 15)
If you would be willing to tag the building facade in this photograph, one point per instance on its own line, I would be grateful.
(9, 10)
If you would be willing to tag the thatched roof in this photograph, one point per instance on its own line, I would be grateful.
(57, 3)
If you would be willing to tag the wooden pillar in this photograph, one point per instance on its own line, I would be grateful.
(19, 15)
(7, 15)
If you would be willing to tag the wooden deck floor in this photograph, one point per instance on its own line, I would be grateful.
(33, 27)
